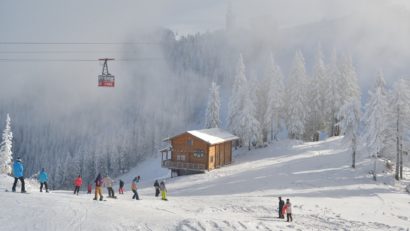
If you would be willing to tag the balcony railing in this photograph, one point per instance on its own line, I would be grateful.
(183, 165)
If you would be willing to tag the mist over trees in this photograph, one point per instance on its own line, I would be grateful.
(263, 94)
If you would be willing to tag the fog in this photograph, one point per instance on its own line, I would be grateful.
(161, 88)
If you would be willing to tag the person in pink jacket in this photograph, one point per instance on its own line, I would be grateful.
(77, 183)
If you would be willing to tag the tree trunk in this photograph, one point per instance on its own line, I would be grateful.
(354, 151)
(397, 147)
(401, 161)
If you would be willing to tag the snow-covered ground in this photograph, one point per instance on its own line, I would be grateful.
(326, 194)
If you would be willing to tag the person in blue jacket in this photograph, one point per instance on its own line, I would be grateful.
(18, 171)
(43, 178)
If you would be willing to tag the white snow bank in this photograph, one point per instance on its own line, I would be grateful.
(326, 193)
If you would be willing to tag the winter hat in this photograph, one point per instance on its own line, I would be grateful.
(18, 159)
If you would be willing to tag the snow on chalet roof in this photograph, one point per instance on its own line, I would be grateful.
(211, 136)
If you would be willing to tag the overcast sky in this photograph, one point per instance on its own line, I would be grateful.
(117, 20)
(109, 20)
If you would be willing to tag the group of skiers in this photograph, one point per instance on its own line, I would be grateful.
(100, 182)
(285, 208)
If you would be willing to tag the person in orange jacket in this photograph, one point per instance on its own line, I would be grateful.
(77, 183)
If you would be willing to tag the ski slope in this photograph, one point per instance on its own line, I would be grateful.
(326, 194)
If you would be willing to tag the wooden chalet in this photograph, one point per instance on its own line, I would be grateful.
(198, 151)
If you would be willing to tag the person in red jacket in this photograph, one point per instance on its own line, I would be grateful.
(77, 183)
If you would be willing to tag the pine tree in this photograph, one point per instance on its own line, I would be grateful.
(274, 99)
(349, 116)
(212, 119)
(296, 98)
(376, 122)
(318, 86)
(5, 148)
(249, 126)
(334, 94)
(241, 117)
(400, 104)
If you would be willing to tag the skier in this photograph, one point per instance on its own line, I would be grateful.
(98, 183)
(89, 188)
(43, 178)
(18, 170)
(121, 188)
(108, 183)
(134, 188)
(281, 204)
(77, 183)
(156, 186)
(163, 190)
(288, 210)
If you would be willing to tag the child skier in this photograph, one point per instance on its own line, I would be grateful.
(89, 188)
(98, 191)
(18, 170)
(121, 188)
(134, 188)
(156, 186)
(43, 178)
(77, 183)
(163, 191)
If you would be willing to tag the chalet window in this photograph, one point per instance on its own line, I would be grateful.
(181, 157)
(199, 153)
(190, 142)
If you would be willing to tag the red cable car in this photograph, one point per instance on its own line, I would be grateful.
(106, 79)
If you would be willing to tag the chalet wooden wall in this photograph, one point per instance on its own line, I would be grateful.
(215, 156)
(180, 146)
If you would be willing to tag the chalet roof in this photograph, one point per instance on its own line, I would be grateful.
(211, 136)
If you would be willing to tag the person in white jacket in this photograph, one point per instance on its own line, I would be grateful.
(108, 182)
(288, 206)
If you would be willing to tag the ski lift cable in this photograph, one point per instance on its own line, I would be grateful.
(78, 43)
(57, 52)
(79, 60)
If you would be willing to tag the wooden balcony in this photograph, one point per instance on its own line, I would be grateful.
(183, 165)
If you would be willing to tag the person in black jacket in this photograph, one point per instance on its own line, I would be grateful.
(156, 185)
(281, 204)
(121, 189)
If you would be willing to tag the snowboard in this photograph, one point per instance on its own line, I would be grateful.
(16, 192)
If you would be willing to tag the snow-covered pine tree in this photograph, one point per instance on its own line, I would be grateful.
(212, 119)
(249, 125)
(236, 101)
(318, 86)
(241, 115)
(400, 114)
(296, 98)
(349, 116)
(274, 98)
(349, 79)
(376, 122)
(334, 94)
(5, 148)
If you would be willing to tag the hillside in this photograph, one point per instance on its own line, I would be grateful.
(326, 195)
